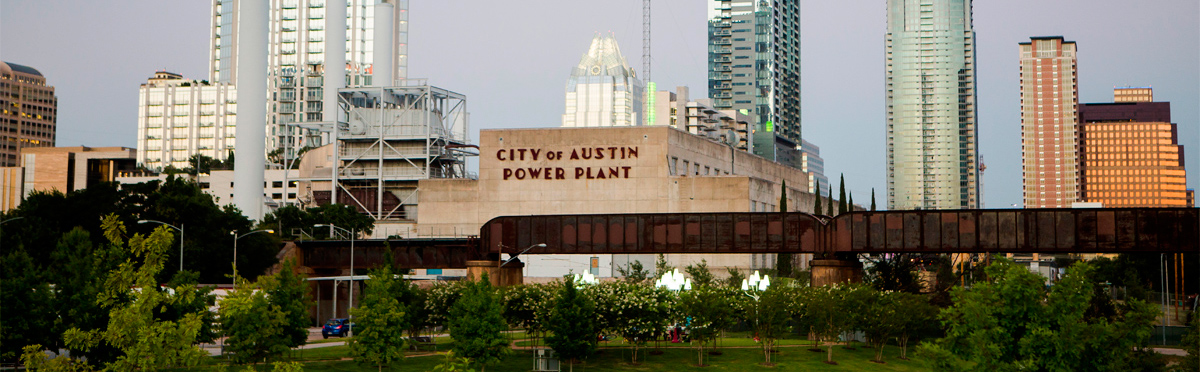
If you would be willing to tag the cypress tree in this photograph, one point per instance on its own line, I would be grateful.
(817, 200)
(829, 206)
(872, 199)
(842, 195)
(783, 261)
(850, 203)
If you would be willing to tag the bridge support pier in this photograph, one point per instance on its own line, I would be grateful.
(510, 274)
(826, 272)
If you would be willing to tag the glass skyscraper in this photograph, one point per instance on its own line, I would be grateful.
(931, 115)
(754, 69)
(602, 90)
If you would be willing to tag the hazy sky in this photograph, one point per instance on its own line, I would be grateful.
(512, 59)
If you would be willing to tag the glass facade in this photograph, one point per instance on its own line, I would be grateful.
(602, 90)
(754, 68)
(931, 117)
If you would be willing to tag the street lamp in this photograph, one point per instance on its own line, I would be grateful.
(179, 228)
(674, 281)
(235, 239)
(351, 305)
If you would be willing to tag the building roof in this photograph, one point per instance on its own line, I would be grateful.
(603, 58)
(10, 67)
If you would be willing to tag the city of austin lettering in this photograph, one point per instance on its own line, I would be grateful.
(561, 173)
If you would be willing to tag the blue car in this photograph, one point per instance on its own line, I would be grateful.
(336, 327)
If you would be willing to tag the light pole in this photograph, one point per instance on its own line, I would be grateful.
(753, 287)
(235, 239)
(179, 228)
(351, 305)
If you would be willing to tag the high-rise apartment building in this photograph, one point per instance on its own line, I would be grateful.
(813, 165)
(754, 69)
(28, 111)
(603, 91)
(179, 118)
(296, 59)
(1049, 122)
(931, 119)
(1131, 155)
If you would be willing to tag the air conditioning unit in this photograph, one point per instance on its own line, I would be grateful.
(545, 361)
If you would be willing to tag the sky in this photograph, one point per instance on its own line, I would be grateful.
(512, 60)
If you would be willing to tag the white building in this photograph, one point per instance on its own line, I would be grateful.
(219, 184)
(179, 118)
(602, 90)
(813, 165)
(296, 60)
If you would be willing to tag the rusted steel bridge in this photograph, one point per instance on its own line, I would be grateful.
(1103, 230)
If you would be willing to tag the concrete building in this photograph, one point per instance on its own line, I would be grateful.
(603, 91)
(608, 170)
(1131, 155)
(1049, 122)
(931, 115)
(62, 169)
(1133, 94)
(296, 60)
(179, 118)
(219, 184)
(700, 118)
(813, 165)
(28, 111)
(754, 69)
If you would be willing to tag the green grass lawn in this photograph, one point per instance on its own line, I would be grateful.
(617, 359)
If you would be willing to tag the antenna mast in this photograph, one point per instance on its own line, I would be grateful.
(646, 59)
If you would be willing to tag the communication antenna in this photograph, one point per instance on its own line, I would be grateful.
(646, 58)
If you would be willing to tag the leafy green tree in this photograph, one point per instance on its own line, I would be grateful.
(1191, 343)
(200, 304)
(881, 321)
(477, 324)
(829, 313)
(897, 273)
(710, 310)
(571, 323)
(915, 318)
(289, 219)
(634, 272)
(527, 305)
(661, 267)
(288, 291)
(442, 297)
(452, 364)
(28, 306)
(634, 311)
(701, 276)
(254, 328)
(145, 342)
(735, 278)
(379, 340)
(769, 314)
(1011, 321)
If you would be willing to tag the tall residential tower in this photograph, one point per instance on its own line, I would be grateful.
(1049, 122)
(603, 91)
(931, 120)
(29, 111)
(754, 69)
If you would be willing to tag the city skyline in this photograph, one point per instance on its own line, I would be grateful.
(1156, 45)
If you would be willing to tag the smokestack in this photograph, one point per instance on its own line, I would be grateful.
(249, 166)
(383, 65)
(335, 76)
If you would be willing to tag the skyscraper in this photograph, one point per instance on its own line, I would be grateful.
(296, 58)
(1131, 154)
(602, 90)
(28, 111)
(931, 120)
(179, 118)
(754, 69)
(1049, 122)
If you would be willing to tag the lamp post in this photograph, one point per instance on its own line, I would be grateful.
(178, 228)
(351, 305)
(753, 287)
(235, 239)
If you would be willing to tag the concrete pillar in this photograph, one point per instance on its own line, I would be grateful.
(826, 272)
(248, 176)
(510, 274)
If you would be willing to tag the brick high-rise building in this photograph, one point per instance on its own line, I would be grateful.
(1131, 155)
(28, 111)
(1049, 122)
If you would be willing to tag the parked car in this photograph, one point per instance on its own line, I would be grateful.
(336, 327)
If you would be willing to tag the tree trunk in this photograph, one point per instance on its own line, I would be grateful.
(904, 347)
(635, 348)
(829, 352)
(879, 352)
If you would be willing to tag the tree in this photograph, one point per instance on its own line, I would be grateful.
(661, 267)
(28, 306)
(735, 278)
(288, 219)
(1012, 321)
(632, 310)
(842, 208)
(817, 201)
(829, 206)
(881, 323)
(785, 264)
(769, 314)
(571, 323)
(288, 290)
(634, 272)
(872, 199)
(916, 318)
(379, 340)
(527, 305)
(1191, 343)
(254, 328)
(710, 310)
(701, 277)
(144, 342)
(897, 273)
(829, 313)
(477, 324)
